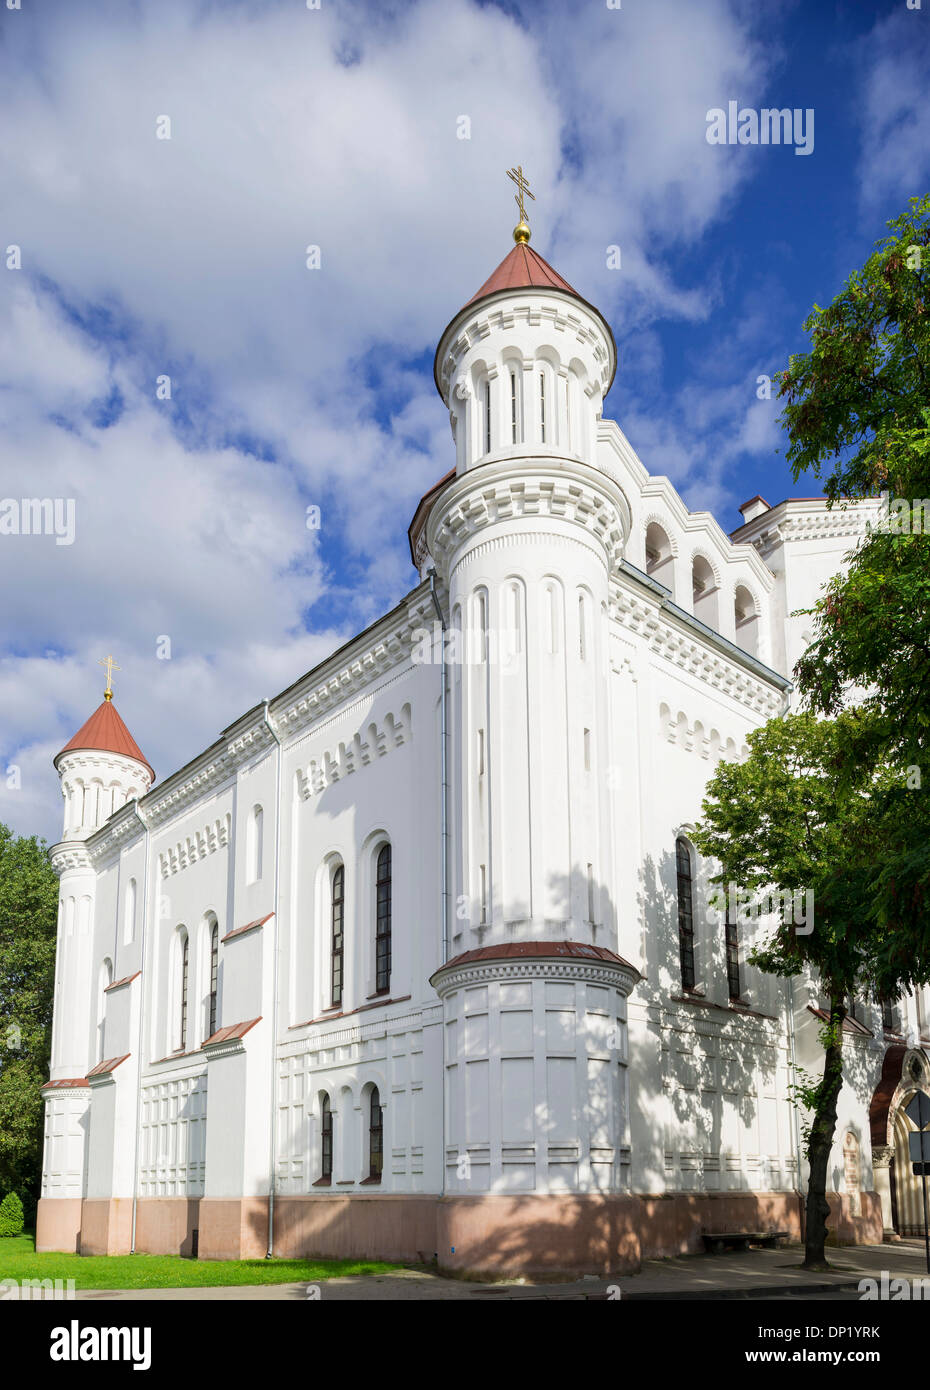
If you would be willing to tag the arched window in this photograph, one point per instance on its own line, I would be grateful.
(183, 985)
(375, 1137)
(685, 913)
(337, 920)
(129, 912)
(731, 934)
(254, 844)
(326, 1136)
(106, 979)
(660, 562)
(746, 620)
(214, 972)
(704, 591)
(383, 921)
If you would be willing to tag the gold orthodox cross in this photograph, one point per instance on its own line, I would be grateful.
(523, 189)
(111, 666)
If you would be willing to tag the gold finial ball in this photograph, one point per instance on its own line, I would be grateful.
(521, 233)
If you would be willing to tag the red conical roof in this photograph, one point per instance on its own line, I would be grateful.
(520, 269)
(105, 732)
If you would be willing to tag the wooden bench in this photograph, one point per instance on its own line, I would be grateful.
(716, 1242)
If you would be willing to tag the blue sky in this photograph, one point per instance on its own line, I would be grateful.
(338, 127)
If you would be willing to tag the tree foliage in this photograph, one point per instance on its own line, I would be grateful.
(28, 916)
(795, 816)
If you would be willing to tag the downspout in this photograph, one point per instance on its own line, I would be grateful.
(274, 987)
(141, 1039)
(444, 863)
(444, 777)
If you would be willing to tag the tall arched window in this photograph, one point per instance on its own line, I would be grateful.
(183, 984)
(731, 934)
(685, 913)
(375, 1137)
(326, 1136)
(337, 921)
(254, 845)
(214, 972)
(383, 921)
(704, 592)
(106, 979)
(129, 912)
(745, 620)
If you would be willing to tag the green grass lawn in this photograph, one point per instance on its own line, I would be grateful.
(18, 1260)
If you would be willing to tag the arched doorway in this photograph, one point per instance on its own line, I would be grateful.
(904, 1071)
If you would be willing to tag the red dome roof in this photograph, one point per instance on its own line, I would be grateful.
(105, 732)
(520, 269)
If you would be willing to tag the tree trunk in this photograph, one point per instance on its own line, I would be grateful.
(821, 1139)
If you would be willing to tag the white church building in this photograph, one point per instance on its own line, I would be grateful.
(417, 959)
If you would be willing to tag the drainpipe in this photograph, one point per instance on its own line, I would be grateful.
(444, 777)
(274, 986)
(141, 1038)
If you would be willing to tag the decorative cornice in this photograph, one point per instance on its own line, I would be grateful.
(69, 855)
(385, 646)
(211, 770)
(666, 638)
(530, 487)
(122, 828)
(617, 974)
(536, 305)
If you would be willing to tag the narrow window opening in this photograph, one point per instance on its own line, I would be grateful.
(685, 914)
(338, 905)
(383, 922)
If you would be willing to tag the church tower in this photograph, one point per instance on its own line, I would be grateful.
(101, 768)
(523, 539)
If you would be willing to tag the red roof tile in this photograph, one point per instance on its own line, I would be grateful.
(105, 732)
(234, 1030)
(104, 1068)
(522, 268)
(517, 950)
(249, 926)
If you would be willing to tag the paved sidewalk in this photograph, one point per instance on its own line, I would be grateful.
(758, 1274)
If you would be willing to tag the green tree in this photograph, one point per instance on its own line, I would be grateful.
(791, 818)
(856, 413)
(28, 915)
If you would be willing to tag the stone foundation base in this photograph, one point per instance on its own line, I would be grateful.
(106, 1226)
(481, 1235)
(233, 1228)
(849, 1228)
(362, 1227)
(166, 1225)
(58, 1224)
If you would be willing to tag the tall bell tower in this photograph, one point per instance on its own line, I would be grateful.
(523, 539)
(101, 768)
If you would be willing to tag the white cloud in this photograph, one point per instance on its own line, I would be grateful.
(289, 126)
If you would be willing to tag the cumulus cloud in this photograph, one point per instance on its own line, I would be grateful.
(145, 257)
